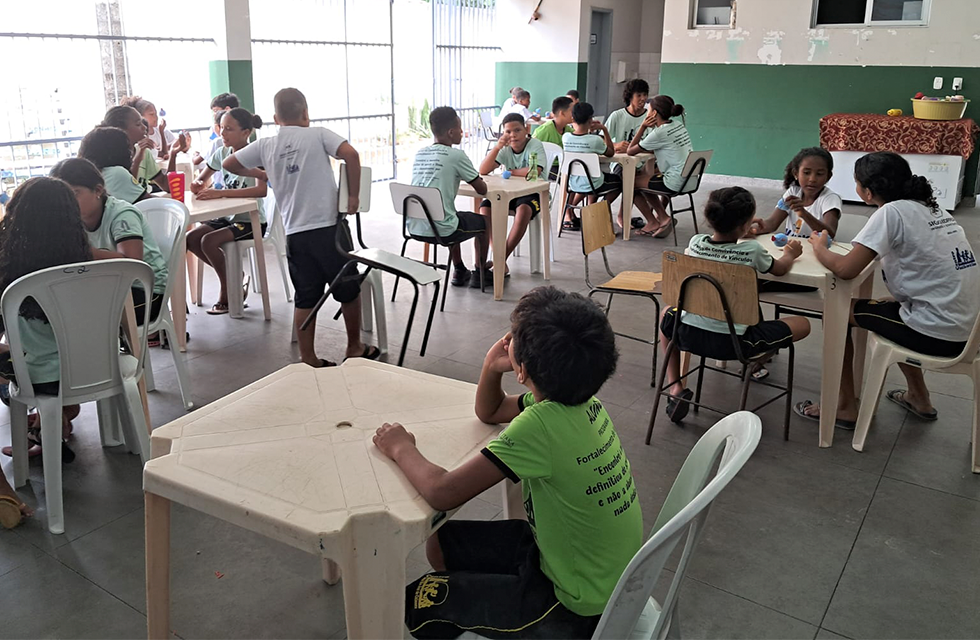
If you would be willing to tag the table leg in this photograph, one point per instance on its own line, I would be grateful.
(331, 572)
(860, 337)
(193, 265)
(836, 307)
(629, 181)
(260, 262)
(546, 231)
(513, 500)
(498, 220)
(374, 578)
(132, 334)
(157, 522)
(178, 298)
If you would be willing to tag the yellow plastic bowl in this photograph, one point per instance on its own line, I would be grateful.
(938, 109)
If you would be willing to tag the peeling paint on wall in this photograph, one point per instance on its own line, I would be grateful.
(862, 35)
(771, 51)
(736, 38)
(819, 45)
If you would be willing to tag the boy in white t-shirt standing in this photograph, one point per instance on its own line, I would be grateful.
(808, 204)
(298, 161)
(929, 268)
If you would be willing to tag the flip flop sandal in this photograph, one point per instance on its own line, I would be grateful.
(371, 352)
(666, 229)
(645, 234)
(800, 409)
(898, 397)
(217, 309)
(637, 223)
(677, 408)
(154, 341)
(10, 514)
(760, 374)
(326, 363)
(570, 226)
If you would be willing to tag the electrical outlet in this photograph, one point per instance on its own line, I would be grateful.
(937, 83)
(957, 84)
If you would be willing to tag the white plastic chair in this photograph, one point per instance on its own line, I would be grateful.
(84, 304)
(576, 164)
(885, 353)
(168, 220)
(632, 611)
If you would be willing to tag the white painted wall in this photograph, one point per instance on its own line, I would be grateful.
(552, 38)
(778, 32)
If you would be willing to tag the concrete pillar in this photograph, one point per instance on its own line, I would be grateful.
(232, 71)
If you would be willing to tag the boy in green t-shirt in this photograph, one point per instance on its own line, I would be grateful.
(514, 150)
(551, 576)
(552, 130)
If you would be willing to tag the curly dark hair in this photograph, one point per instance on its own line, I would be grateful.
(888, 176)
(634, 86)
(789, 177)
(565, 342)
(42, 228)
(729, 208)
(107, 147)
(139, 103)
(224, 101)
(119, 116)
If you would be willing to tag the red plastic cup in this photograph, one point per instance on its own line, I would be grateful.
(176, 181)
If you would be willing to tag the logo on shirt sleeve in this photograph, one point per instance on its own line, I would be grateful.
(963, 259)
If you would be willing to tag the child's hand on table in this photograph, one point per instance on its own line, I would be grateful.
(621, 147)
(196, 187)
(793, 248)
(393, 438)
(819, 241)
(756, 227)
(498, 357)
(208, 194)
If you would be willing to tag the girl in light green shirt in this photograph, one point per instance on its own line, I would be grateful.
(144, 167)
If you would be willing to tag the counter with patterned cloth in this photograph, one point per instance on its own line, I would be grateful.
(936, 149)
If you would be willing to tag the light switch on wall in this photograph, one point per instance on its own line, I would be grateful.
(937, 83)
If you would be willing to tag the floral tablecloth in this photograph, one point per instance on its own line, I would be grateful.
(903, 134)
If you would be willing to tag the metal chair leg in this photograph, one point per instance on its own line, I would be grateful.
(789, 392)
(428, 324)
(394, 289)
(697, 393)
(694, 212)
(746, 379)
(408, 325)
(445, 288)
(659, 389)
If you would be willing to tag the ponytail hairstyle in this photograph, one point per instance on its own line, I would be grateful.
(888, 176)
(42, 228)
(244, 118)
(664, 105)
(729, 208)
(139, 103)
(789, 178)
(634, 86)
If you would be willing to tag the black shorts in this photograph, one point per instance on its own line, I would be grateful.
(469, 225)
(611, 182)
(239, 230)
(768, 335)
(314, 262)
(882, 317)
(7, 372)
(493, 586)
(533, 201)
(657, 184)
(139, 300)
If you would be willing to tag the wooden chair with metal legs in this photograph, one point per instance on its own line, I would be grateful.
(722, 291)
(597, 234)
(694, 168)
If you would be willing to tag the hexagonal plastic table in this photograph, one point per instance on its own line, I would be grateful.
(290, 457)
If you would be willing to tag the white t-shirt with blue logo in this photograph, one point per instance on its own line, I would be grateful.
(929, 267)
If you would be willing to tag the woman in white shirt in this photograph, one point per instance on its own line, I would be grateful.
(928, 267)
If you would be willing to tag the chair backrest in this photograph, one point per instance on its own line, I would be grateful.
(580, 164)
(273, 215)
(83, 303)
(695, 279)
(363, 194)
(733, 439)
(552, 152)
(168, 220)
(849, 225)
(597, 229)
(694, 168)
(486, 119)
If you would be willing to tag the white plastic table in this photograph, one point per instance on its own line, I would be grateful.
(290, 457)
(500, 192)
(837, 294)
(629, 164)
(202, 211)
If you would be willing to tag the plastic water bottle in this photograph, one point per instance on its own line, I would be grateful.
(532, 163)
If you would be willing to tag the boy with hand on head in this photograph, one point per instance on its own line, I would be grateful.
(514, 150)
(552, 575)
(441, 166)
(299, 160)
(522, 102)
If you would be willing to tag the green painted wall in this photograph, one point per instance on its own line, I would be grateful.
(233, 76)
(756, 117)
(545, 80)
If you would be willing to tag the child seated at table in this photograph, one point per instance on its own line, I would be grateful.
(573, 94)
(729, 211)
(553, 129)
(157, 128)
(623, 125)
(108, 148)
(144, 167)
(205, 240)
(808, 204)
(552, 575)
(514, 150)
(582, 139)
(929, 269)
(298, 159)
(220, 103)
(443, 167)
(41, 228)
(522, 102)
(116, 229)
(671, 142)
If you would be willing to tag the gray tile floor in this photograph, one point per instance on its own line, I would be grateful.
(805, 543)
